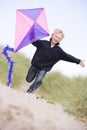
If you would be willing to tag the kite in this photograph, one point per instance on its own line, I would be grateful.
(31, 25)
(7, 48)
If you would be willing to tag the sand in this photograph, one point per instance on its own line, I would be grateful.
(22, 111)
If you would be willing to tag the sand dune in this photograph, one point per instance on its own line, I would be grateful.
(22, 111)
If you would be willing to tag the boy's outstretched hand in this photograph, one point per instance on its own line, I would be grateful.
(82, 64)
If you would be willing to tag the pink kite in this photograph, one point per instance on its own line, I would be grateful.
(31, 25)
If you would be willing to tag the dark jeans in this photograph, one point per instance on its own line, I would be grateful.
(37, 74)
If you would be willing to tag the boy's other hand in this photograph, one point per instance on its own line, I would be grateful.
(82, 64)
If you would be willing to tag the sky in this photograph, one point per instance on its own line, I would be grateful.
(68, 15)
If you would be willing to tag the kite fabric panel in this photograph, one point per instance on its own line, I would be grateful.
(31, 25)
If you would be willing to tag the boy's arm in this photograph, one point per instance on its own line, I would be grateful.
(36, 43)
(67, 57)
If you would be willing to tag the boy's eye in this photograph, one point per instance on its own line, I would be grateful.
(58, 38)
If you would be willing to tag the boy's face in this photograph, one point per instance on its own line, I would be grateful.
(56, 38)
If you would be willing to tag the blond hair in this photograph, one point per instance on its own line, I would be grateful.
(58, 31)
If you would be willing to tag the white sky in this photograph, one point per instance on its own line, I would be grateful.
(68, 15)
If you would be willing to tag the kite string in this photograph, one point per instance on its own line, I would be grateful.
(8, 57)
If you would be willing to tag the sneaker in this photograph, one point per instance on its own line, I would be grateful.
(29, 91)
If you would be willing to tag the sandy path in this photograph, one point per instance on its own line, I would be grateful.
(22, 111)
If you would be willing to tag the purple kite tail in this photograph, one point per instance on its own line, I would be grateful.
(7, 48)
(10, 73)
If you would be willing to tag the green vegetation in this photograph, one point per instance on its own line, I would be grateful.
(70, 92)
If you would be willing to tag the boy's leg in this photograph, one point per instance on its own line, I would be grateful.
(38, 81)
(31, 73)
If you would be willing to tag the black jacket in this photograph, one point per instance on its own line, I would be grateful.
(45, 56)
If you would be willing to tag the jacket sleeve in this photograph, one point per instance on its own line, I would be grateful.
(36, 43)
(67, 57)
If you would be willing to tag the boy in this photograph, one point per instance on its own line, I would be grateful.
(48, 53)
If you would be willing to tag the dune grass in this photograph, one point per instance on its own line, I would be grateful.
(70, 92)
